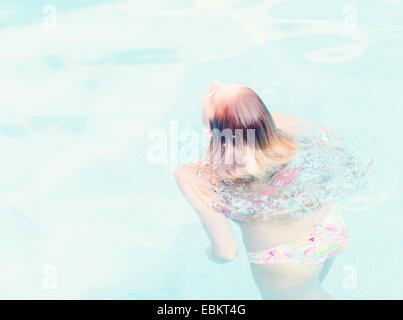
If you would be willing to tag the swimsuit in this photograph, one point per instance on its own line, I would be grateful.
(328, 239)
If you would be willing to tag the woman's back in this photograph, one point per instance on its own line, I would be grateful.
(267, 235)
(260, 236)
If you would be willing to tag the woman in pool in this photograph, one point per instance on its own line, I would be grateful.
(243, 169)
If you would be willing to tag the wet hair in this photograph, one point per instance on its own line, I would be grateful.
(245, 141)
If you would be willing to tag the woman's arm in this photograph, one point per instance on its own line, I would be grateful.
(216, 224)
(287, 123)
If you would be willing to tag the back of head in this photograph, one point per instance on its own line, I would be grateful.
(245, 141)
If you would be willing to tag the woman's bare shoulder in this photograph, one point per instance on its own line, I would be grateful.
(289, 123)
(187, 176)
(195, 177)
(285, 119)
(186, 171)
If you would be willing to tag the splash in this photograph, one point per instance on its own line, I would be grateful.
(325, 169)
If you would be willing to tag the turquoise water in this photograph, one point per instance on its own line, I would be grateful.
(83, 211)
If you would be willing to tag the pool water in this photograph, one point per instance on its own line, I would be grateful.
(85, 213)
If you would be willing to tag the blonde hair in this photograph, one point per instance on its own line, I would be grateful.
(245, 141)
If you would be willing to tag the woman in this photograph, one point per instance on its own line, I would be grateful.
(245, 163)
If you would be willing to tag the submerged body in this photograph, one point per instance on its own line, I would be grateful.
(282, 276)
(291, 237)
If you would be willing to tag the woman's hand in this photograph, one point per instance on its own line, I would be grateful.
(210, 254)
(213, 256)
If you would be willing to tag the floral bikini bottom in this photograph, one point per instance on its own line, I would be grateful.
(328, 239)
